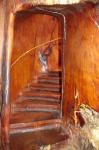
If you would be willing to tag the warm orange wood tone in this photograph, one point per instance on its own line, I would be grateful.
(82, 59)
(50, 67)
(31, 31)
(1, 33)
(1, 39)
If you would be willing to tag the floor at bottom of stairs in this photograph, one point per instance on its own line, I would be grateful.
(36, 139)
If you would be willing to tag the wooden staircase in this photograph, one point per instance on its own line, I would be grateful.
(40, 101)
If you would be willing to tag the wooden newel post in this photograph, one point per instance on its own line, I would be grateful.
(6, 61)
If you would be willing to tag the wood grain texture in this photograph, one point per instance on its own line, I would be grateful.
(5, 113)
(28, 33)
(31, 31)
(1, 41)
(81, 59)
(1, 29)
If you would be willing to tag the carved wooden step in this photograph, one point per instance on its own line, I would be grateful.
(50, 78)
(47, 85)
(42, 96)
(34, 105)
(38, 98)
(39, 101)
(47, 77)
(52, 74)
(51, 81)
(34, 101)
(41, 89)
(26, 117)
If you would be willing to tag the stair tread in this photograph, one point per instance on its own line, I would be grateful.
(40, 89)
(39, 101)
(34, 102)
(49, 77)
(46, 99)
(50, 94)
(53, 73)
(25, 117)
(34, 105)
(43, 85)
(48, 81)
(46, 87)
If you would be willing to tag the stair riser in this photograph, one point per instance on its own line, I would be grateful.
(46, 99)
(42, 98)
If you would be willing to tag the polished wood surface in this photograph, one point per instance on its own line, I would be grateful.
(1, 31)
(36, 139)
(38, 102)
(32, 33)
(35, 58)
(51, 66)
(81, 59)
(1, 41)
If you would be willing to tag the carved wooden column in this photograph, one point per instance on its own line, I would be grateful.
(5, 112)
